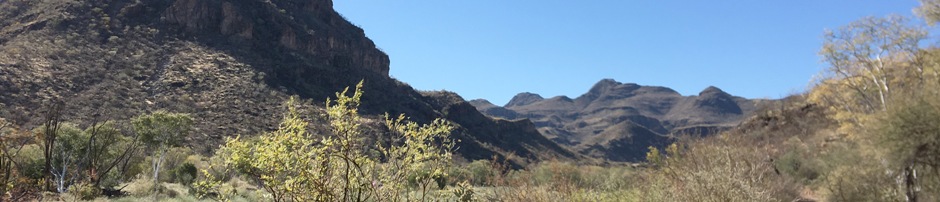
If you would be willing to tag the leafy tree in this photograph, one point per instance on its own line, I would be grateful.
(106, 147)
(160, 131)
(67, 155)
(88, 156)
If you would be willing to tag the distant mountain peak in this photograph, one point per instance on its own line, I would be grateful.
(712, 90)
(597, 90)
(562, 98)
(608, 80)
(717, 101)
(482, 103)
(524, 98)
(604, 85)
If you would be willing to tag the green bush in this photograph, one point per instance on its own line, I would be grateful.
(795, 163)
(481, 172)
(184, 174)
(31, 161)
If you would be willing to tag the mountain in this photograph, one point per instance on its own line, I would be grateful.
(619, 121)
(230, 64)
(524, 99)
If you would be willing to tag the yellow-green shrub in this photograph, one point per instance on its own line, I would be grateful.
(292, 164)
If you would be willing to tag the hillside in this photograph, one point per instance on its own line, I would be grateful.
(619, 121)
(230, 64)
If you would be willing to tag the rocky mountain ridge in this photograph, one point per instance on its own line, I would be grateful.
(619, 121)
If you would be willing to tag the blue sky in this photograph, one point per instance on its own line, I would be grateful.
(494, 49)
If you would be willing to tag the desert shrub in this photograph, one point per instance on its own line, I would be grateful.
(458, 174)
(84, 191)
(619, 195)
(184, 174)
(861, 182)
(524, 192)
(562, 181)
(292, 164)
(615, 178)
(478, 172)
(139, 187)
(557, 175)
(567, 176)
(798, 164)
(463, 192)
(713, 170)
(214, 178)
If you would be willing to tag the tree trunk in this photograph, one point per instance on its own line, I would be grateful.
(156, 169)
(910, 183)
(50, 131)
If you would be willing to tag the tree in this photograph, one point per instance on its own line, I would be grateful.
(879, 84)
(870, 54)
(105, 147)
(160, 131)
(869, 60)
(67, 155)
(48, 136)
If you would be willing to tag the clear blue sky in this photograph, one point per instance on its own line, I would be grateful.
(494, 49)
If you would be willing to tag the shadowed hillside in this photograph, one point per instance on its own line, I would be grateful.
(231, 64)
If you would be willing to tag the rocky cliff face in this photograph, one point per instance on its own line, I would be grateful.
(309, 26)
(231, 64)
(619, 121)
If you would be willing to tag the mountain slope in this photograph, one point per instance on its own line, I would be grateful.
(231, 64)
(619, 121)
